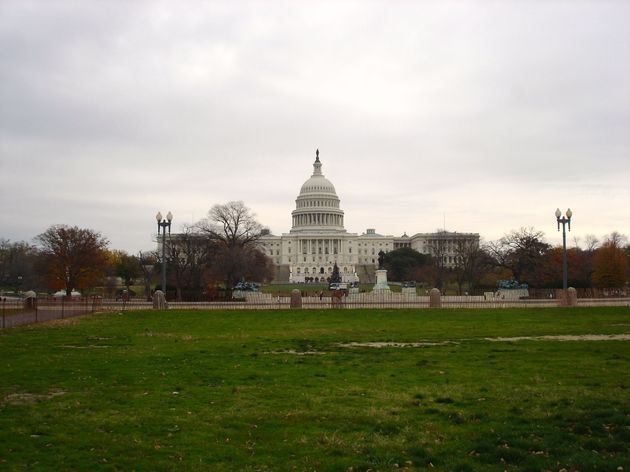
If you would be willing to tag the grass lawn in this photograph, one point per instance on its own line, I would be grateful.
(278, 390)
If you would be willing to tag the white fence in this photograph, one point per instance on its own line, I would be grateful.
(261, 301)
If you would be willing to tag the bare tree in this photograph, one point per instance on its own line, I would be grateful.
(147, 259)
(235, 234)
(521, 252)
(615, 239)
(188, 254)
(591, 243)
(17, 261)
(469, 262)
(438, 247)
(232, 224)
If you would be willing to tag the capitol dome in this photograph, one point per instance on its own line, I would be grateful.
(318, 183)
(317, 205)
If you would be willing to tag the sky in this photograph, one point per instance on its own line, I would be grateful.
(474, 116)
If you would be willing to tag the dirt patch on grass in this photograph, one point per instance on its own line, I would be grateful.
(62, 321)
(88, 346)
(298, 353)
(26, 398)
(182, 337)
(383, 344)
(566, 337)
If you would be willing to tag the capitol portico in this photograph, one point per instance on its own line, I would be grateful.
(317, 239)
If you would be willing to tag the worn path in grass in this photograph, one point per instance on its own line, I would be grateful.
(282, 391)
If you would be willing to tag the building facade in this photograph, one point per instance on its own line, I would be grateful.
(318, 239)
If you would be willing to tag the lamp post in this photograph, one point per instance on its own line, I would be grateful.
(162, 225)
(564, 221)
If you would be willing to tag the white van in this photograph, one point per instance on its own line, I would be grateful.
(339, 286)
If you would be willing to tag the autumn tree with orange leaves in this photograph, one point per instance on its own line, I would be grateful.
(611, 263)
(72, 257)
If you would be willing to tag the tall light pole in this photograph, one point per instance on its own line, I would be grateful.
(564, 221)
(162, 225)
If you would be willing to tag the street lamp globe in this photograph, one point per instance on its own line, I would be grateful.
(163, 225)
(564, 221)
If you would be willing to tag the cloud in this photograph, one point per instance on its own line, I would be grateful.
(487, 112)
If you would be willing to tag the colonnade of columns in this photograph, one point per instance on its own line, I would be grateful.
(318, 219)
(320, 246)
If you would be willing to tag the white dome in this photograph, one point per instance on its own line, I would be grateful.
(318, 184)
(317, 205)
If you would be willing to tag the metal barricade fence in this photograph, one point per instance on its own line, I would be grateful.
(386, 300)
(17, 312)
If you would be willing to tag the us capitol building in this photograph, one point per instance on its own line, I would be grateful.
(317, 240)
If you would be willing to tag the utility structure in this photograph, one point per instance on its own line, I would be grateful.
(564, 221)
(163, 224)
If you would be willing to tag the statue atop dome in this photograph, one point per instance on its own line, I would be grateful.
(317, 165)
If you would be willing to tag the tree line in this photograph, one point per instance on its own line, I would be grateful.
(219, 250)
(223, 248)
(521, 255)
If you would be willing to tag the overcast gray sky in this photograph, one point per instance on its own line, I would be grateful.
(483, 116)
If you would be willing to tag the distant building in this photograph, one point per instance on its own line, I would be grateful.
(317, 239)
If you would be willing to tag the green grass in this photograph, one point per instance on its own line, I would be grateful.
(192, 390)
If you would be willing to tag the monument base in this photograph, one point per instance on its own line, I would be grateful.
(381, 281)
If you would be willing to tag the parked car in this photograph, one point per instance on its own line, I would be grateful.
(338, 286)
